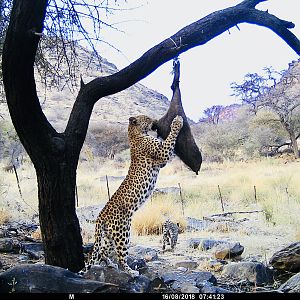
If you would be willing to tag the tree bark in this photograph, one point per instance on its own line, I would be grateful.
(53, 158)
(58, 221)
(55, 155)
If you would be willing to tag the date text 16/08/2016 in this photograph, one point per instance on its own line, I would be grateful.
(188, 296)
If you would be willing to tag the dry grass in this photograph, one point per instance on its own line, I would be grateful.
(149, 219)
(4, 216)
(276, 182)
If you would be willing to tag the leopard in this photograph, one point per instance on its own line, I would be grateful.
(148, 154)
(170, 234)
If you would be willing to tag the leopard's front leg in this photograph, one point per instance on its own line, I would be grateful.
(166, 150)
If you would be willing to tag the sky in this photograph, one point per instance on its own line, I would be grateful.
(208, 70)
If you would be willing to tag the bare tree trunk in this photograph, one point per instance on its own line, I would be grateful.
(59, 224)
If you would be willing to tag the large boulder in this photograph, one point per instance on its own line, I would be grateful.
(230, 250)
(287, 259)
(292, 285)
(204, 244)
(188, 282)
(9, 245)
(124, 282)
(223, 249)
(35, 250)
(186, 264)
(41, 278)
(147, 253)
(254, 272)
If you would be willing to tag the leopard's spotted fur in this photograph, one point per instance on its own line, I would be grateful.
(148, 155)
(170, 234)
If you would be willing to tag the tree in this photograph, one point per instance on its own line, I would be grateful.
(54, 154)
(213, 114)
(278, 93)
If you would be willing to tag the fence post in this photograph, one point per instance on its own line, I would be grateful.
(255, 194)
(181, 198)
(107, 187)
(221, 199)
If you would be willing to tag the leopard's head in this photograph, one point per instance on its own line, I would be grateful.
(141, 123)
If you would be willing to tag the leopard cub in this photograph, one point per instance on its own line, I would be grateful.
(170, 234)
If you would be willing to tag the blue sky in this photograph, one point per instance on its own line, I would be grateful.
(208, 70)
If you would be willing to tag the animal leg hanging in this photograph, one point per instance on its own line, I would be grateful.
(186, 147)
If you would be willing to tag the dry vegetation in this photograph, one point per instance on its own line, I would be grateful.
(276, 182)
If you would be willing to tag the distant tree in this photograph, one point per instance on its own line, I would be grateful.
(212, 114)
(225, 141)
(55, 154)
(277, 92)
(265, 136)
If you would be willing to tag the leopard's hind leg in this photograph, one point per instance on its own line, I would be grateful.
(121, 240)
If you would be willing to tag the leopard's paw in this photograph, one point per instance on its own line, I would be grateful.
(177, 123)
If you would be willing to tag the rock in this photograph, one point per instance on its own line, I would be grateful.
(35, 250)
(292, 285)
(87, 248)
(9, 245)
(138, 264)
(167, 190)
(157, 285)
(215, 265)
(195, 224)
(149, 254)
(254, 272)
(224, 249)
(3, 233)
(204, 277)
(122, 280)
(88, 213)
(188, 264)
(189, 288)
(287, 259)
(178, 281)
(108, 274)
(207, 244)
(182, 269)
(140, 284)
(208, 288)
(23, 258)
(194, 243)
(41, 278)
(229, 251)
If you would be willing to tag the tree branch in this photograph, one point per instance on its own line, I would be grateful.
(251, 3)
(195, 34)
(18, 58)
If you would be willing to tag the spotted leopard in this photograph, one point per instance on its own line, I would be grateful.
(148, 156)
(170, 234)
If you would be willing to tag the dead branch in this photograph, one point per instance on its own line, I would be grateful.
(234, 212)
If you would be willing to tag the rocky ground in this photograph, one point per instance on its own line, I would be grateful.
(229, 262)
